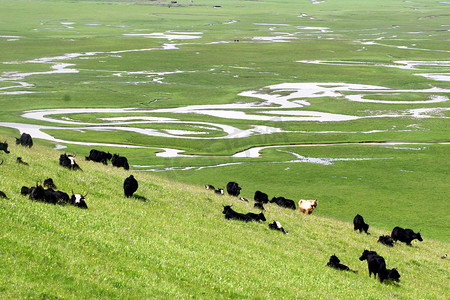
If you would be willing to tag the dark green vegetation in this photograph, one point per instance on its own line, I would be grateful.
(399, 48)
(171, 240)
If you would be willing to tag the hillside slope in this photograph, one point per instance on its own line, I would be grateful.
(171, 241)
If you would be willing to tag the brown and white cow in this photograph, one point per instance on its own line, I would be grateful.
(307, 206)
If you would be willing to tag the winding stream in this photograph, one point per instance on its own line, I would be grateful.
(274, 103)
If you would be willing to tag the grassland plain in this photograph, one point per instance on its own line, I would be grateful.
(171, 240)
(212, 82)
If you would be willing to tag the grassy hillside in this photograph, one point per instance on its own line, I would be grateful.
(172, 241)
(104, 55)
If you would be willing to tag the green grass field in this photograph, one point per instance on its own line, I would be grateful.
(323, 86)
(170, 240)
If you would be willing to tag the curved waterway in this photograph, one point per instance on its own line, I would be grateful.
(275, 103)
(255, 152)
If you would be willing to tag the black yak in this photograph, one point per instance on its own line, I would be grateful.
(335, 263)
(3, 195)
(99, 156)
(130, 185)
(25, 140)
(21, 162)
(375, 262)
(257, 217)
(120, 162)
(377, 265)
(4, 147)
(231, 214)
(393, 274)
(49, 183)
(261, 197)
(405, 235)
(233, 188)
(386, 240)
(37, 193)
(359, 224)
(49, 195)
(259, 205)
(25, 190)
(283, 202)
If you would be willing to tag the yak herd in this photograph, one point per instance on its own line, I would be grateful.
(47, 192)
(376, 263)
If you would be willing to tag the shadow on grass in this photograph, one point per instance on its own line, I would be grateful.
(141, 198)
(393, 283)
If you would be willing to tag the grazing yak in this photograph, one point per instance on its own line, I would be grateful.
(261, 197)
(3, 195)
(307, 206)
(405, 235)
(283, 202)
(49, 183)
(277, 226)
(21, 162)
(231, 214)
(393, 274)
(120, 162)
(359, 224)
(219, 191)
(259, 205)
(233, 188)
(78, 200)
(243, 199)
(335, 263)
(38, 193)
(210, 187)
(68, 161)
(25, 190)
(386, 240)
(377, 265)
(25, 140)
(257, 217)
(4, 147)
(130, 185)
(99, 156)
(49, 195)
